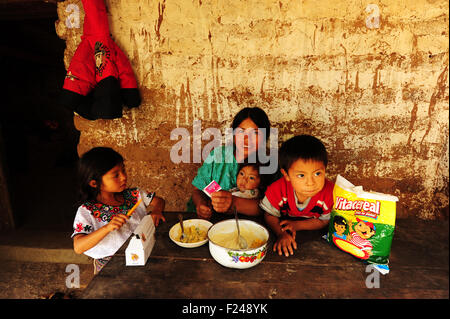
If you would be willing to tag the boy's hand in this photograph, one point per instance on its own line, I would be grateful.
(221, 201)
(157, 217)
(204, 211)
(117, 222)
(288, 225)
(285, 244)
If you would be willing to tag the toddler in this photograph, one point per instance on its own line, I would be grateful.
(303, 198)
(101, 223)
(248, 181)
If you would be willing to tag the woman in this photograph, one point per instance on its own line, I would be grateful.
(223, 162)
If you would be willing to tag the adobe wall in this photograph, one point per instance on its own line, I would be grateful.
(369, 78)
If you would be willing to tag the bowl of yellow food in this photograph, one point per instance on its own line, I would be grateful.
(195, 231)
(224, 243)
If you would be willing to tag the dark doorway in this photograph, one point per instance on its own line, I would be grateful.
(39, 137)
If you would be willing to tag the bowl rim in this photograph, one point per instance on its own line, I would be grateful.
(239, 249)
(187, 245)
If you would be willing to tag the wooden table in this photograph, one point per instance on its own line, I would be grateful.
(419, 269)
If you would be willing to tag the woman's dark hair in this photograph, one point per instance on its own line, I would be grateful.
(257, 115)
(305, 147)
(260, 118)
(92, 166)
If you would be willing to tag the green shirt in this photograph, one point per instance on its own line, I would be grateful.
(221, 166)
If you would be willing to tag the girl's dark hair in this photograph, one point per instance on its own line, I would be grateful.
(340, 220)
(305, 147)
(257, 115)
(92, 166)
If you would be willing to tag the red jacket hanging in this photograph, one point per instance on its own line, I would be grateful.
(99, 79)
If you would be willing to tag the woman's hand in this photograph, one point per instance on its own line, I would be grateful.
(202, 204)
(204, 211)
(285, 244)
(221, 201)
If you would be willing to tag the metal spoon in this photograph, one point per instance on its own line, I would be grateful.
(242, 241)
(183, 235)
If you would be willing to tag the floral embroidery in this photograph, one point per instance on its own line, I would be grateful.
(79, 227)
(104, 213)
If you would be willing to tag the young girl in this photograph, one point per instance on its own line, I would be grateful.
(222, 166)
(101, 224)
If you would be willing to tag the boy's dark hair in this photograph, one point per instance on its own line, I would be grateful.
(305, 147)
(92, 166)
(256, 114)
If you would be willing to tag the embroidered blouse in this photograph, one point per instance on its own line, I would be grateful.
(91, 216)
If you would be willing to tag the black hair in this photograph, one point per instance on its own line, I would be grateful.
(260, 118)
(305, 147)
(257, 115)
(92, 166)
(340, 221)
(244, 164)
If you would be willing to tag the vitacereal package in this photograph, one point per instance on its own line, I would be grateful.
(362, 223)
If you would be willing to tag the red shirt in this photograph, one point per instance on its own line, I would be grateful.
(281, 196)
(362, 243)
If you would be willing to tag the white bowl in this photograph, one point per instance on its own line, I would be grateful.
(238, 258)
(174, 231)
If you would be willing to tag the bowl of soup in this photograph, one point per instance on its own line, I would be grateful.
(195, 233)
(224, 243)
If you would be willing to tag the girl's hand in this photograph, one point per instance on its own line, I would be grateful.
(157, 217)
(221, 201)
(204, 211)
(155, 209)
(117, 222)
(285, 244)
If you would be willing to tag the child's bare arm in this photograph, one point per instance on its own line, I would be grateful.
(274, 224)
(285, 243)
(308, 224)
(157, 207)
(83, 242)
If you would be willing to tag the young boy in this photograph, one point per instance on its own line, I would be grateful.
(303, 198)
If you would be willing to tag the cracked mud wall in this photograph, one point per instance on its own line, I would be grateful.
(369, 78)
